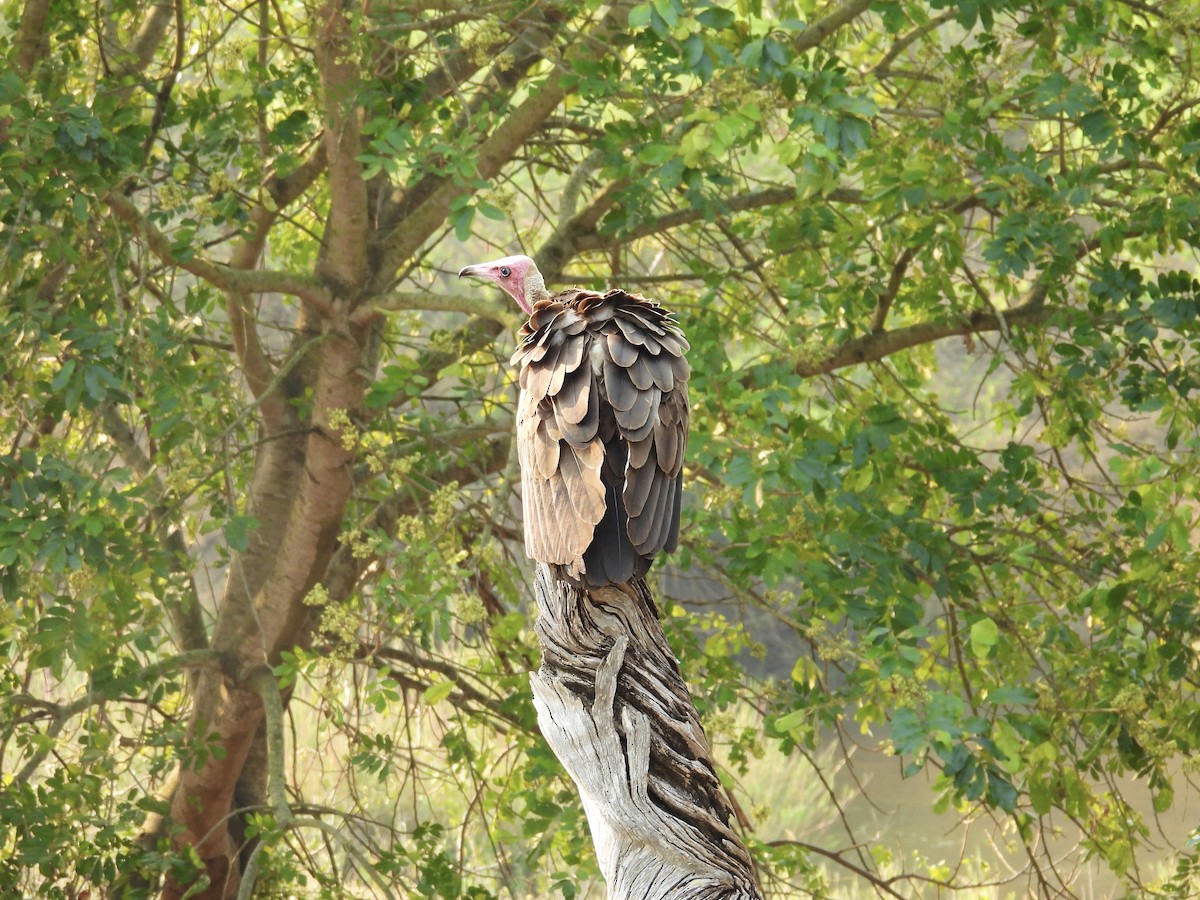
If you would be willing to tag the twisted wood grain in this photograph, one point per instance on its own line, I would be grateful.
(613, 706)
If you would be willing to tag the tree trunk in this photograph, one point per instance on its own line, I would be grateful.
(613, 706)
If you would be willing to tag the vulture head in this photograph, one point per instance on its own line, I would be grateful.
(518, 275)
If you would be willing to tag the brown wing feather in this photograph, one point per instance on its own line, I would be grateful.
(540, 493)
(619, 390)
(563, 494)
(571, 403)
(557, 444)
(620, 350)
(545, 447)
(645, 527)
(578, 428)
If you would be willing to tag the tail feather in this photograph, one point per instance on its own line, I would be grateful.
(611, 557)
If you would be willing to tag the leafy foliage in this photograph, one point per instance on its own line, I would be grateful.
(937, 266)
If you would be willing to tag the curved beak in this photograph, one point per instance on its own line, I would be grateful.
(470, 272)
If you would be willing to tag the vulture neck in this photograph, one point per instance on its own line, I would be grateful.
(535, 289)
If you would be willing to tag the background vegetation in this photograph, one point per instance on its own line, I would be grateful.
(937, 265)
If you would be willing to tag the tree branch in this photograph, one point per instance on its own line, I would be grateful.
(255, 364)
(133, 59)
(869, 877)
(264, 684)
(283, 191)
(268, 690)
(497, 149)
(388, 659)
(31, 37)
(221, 276)
(62, 713)
(904, 42)
(876, 346)
(343, 257)
(142, 48)
(346, 568)
(186, 615)
(776, 196)
(884, 303)
(565, 243)
(569, 202)
(505, 74)
(879, 344)
(480, 305)
(824, 27)
(494, 152)
(163, 96)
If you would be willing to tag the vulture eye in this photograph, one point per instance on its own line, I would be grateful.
(505, 271)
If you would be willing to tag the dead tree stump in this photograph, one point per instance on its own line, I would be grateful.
(614, 708)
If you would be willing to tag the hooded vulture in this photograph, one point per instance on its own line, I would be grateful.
(601, 425)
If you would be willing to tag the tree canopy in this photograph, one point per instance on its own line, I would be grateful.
(265, 602)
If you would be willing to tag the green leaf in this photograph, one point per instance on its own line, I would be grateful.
(655, 154)
(491, 212)
(461, 219)
(238, 530)
(639, 16)
(716, 18)
(437, 692)
(984, 636)
(788, 721)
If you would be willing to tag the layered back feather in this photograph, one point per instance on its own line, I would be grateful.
(601, 432)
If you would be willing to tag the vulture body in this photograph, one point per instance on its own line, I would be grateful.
(601, 426)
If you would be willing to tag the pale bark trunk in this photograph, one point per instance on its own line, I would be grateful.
(614, 708)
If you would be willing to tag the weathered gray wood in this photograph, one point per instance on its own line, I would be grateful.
(613, 706)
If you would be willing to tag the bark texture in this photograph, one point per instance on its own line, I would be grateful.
(613, 706)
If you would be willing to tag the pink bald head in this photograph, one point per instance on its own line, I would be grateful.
(518, 275)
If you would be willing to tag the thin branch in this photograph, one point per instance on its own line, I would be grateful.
(884, 304)
(880, 344)
(307, 288)
(824, 27)
(869, 877)
(63, 713)
(1172, 112)
(1145, 8)
(905, 41)
(387, 658)
(477, 305)
(496, 150)
(351, 849)
(776, 196)
(346, 568)
(753, 264)
(256, 366)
